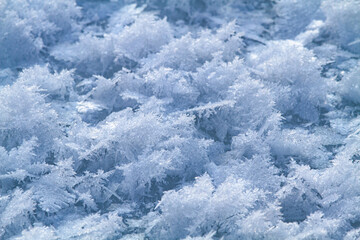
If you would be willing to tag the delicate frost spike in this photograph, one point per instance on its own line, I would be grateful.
(254, 106)
(317, 226)
(178, 157)
(18, 159)
(178, 54)
(201, 208)
(143, 37)
(90, 54)
(258, 170)
(87, 201)
(57, 85)
(180, 209)
(24, 114)
(298, 143)
(17, 212)
(170, 83)
(53, 191)
(188, 52)
(294, 75)
(214, 78)
(92, 189)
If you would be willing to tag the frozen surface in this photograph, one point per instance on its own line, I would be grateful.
(179, 119)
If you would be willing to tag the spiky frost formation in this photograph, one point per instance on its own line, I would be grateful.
(198, 119)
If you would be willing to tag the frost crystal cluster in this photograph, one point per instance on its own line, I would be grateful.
(179, 119)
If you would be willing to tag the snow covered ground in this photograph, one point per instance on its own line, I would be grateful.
(179, 119)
